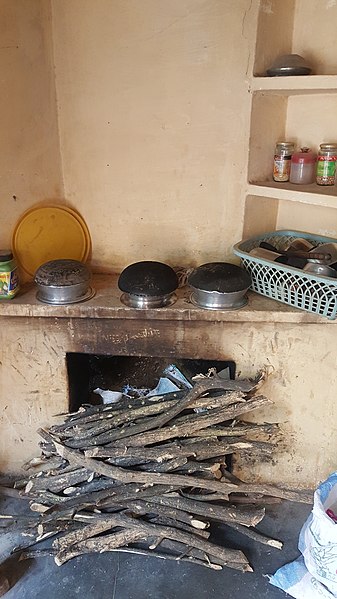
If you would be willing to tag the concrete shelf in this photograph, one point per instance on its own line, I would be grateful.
(304, 194)
(106, 305)
(288, 86)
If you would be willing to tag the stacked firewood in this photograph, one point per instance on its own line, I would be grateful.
(150, 476)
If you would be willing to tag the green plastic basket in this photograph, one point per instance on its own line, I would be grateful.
(286, 284)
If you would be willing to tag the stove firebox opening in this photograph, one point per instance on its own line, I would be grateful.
(88, 373)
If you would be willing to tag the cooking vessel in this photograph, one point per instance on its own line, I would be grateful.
(63, 282)
(289, 64)
(219, 286)
(148, 284)
(320, 270)
(330, 249)
(312, 255)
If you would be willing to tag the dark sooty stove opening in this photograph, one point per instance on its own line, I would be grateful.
(87, 372)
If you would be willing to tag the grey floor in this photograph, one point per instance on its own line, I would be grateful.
(121, 576)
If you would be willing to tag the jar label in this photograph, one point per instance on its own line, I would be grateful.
(326, 170)
(281, 168)
(9, 284)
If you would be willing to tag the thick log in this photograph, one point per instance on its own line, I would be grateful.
(197, 422)
(103, 499)
(199, 449)
(59, 482)
(90, 415)
(43, 464)
(167, 466)
(143, 507)
(85, 532)
(98, 484)
(100, 545)
(115, 419)
(230, 557)
(166, 521)
(128, 476)
(295, 495)
(240, 429)
(156, 422)
(247, 516)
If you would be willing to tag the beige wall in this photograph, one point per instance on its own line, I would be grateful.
(30, 169)
(153, 120)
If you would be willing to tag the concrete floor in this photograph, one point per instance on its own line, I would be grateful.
(122, 576)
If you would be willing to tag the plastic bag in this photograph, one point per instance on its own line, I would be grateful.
(315, 574)
(296, 580)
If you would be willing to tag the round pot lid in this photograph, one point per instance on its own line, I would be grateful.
(222, 277)
(148, 278)
(62, 273)
(50, 232)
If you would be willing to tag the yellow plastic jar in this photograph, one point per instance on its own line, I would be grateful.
(9, 278)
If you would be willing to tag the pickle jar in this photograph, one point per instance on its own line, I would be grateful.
(326, 164)
(9, 279)
(282, 159)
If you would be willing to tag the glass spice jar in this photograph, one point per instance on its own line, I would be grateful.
(326, 164)
(282, 157)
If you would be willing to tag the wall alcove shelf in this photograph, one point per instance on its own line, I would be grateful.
(296, 108)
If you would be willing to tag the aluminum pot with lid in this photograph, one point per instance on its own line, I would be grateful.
(219, 286)
(63, 282)
(148, 284)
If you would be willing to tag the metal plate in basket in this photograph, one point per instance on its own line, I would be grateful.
(287, 284)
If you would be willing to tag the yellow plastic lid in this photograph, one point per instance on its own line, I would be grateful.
(50, 232)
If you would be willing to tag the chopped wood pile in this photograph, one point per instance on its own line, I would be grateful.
(150, 477)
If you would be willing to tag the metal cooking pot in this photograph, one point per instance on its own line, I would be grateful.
(63, 282)
(219, 286)
(148, 284)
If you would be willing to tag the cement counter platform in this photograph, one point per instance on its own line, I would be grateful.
(298, 348)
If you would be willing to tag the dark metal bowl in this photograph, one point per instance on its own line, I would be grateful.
(148, 278)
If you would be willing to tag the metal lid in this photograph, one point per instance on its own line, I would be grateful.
(6, 255)
(285, 144)
(62, 273)
(223, 277)
(328, 146)
(148, 278)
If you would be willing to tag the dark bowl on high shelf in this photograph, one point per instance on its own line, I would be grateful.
(219, 286)
(148, 284)
(289, 65)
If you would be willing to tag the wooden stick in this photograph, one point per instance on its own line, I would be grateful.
(115, 419)
(128, 476)
(245, 516)
(255, 535)
(155, 422)
(228, 556)
(197, 422)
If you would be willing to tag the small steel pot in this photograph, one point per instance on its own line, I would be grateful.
(219, 286)
(144, 302)
(215, 300)
(63, 282)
